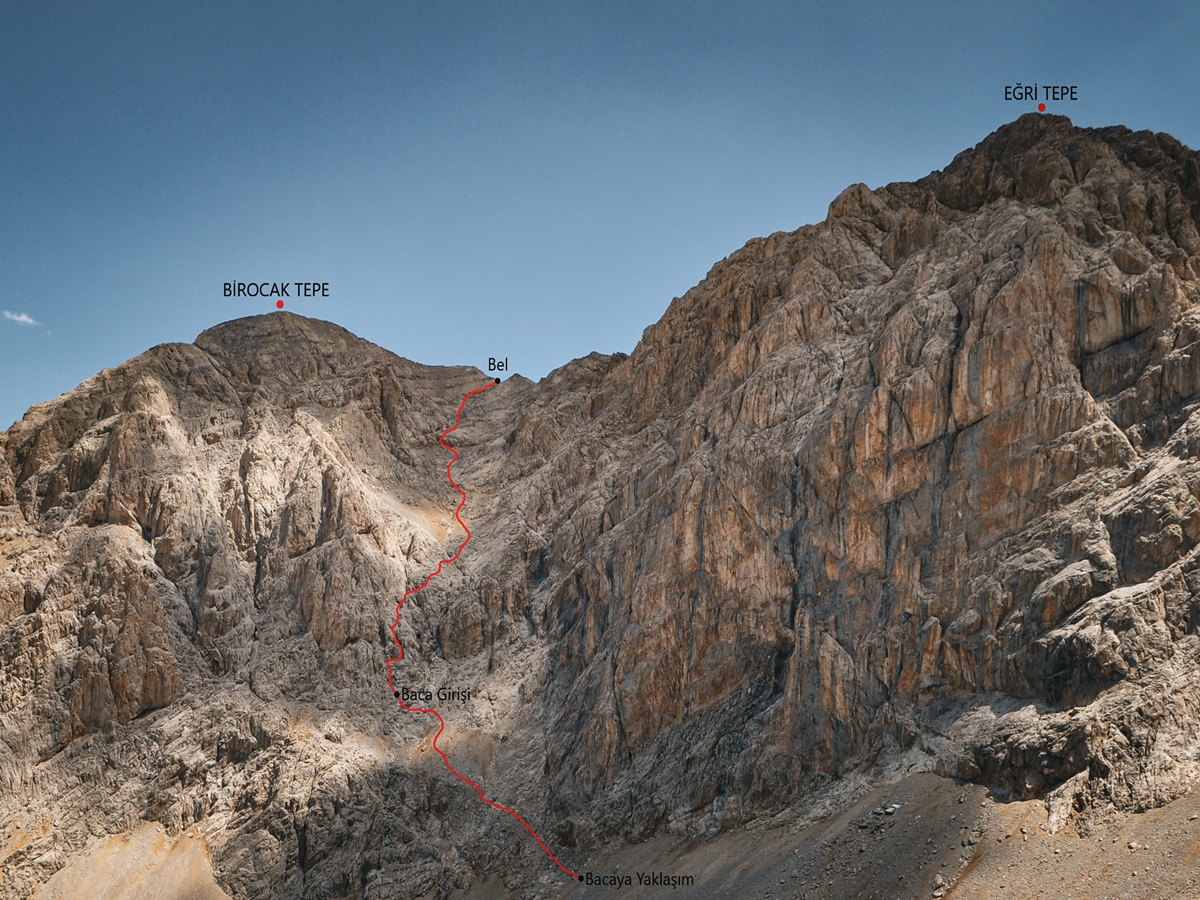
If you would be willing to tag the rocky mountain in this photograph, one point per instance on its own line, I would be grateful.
(913, 490)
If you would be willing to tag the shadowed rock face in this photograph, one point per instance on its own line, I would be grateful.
(913, 489)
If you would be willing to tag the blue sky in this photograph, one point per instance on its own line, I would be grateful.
(533, 180)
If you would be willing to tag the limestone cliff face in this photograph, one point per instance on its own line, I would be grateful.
(927, 494)
(912, 489)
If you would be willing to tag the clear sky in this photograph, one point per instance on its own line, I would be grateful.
(534, 180)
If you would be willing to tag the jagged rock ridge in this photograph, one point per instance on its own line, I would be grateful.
(910, 490)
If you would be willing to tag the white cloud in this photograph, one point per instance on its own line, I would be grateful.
(21, 318)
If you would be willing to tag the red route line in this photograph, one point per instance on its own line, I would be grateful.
(433, 712)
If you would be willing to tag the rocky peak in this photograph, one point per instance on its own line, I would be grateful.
(1132, 181)
(289, 348)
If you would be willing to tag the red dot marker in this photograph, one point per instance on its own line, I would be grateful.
(279, 304)
(1041, 107)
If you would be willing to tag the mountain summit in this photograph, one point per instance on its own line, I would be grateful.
(903, 500)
